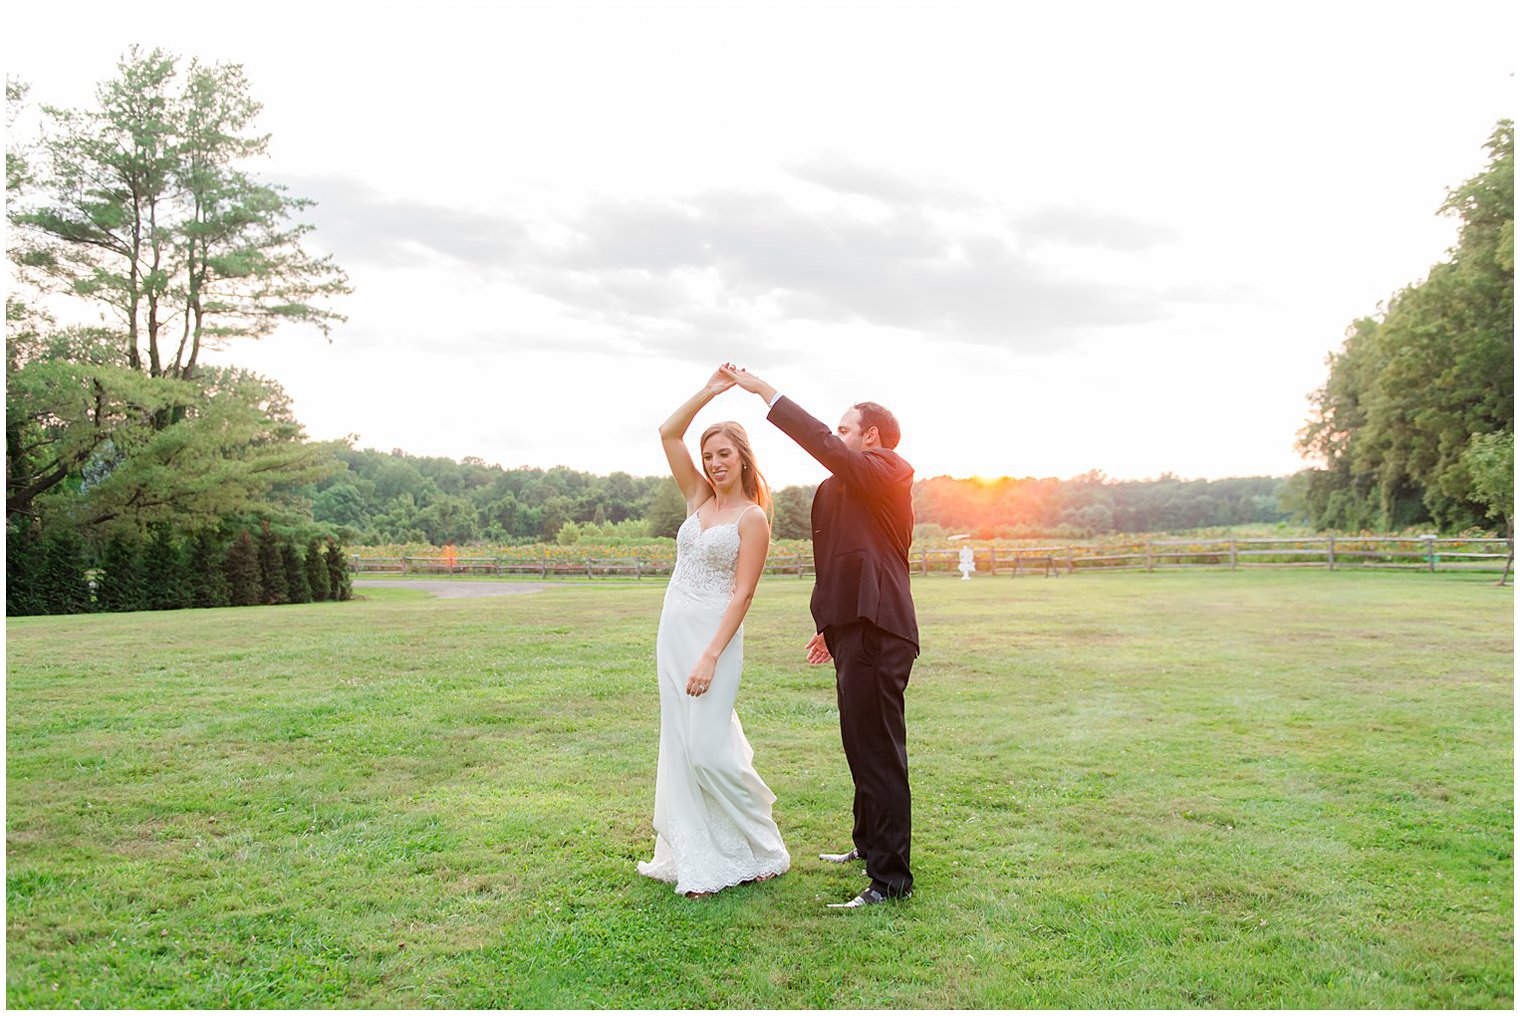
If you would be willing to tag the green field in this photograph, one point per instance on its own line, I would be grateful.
(1264, 789)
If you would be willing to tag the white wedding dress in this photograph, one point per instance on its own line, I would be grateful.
(712, 812)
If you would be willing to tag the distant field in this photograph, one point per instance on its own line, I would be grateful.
(1276, 789)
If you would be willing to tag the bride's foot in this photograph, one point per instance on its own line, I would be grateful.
(761, 878)
(699, 896)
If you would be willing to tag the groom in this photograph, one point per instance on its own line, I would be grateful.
(863, 607)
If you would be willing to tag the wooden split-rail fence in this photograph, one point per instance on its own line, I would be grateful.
(1425, 553)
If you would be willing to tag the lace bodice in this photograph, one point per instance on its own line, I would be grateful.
(706, 559)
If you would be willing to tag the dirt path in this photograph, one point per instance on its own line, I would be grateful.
(456, 590)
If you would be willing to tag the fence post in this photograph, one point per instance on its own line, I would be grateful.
(1332, 553)
(992, 565)
(1430, 552)
(1232, 555)
(403, 564)
(1147, 555)
(1071, 562)
(638, 567)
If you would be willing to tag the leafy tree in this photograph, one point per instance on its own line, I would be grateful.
(667, 511)
(1410, 387)
(556, 510)
(794, 513)
(340, 504)
(68, 405)
(237, 450)
(449, 519)
(1490, 461)
(141, 205)
(119, 585)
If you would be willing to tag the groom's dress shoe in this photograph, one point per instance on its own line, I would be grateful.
(869, 898)
(853, 855)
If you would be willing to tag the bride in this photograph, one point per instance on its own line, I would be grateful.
(712, 812)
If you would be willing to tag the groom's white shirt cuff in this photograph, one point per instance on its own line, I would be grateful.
(774, 399)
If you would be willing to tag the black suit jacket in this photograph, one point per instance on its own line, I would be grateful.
(862, 528)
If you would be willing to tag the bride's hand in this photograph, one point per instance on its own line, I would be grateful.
(720, 382)
(701, 676)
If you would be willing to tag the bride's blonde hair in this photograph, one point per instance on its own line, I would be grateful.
(752, 480)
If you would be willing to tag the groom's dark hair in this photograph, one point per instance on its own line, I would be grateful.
(874, 414)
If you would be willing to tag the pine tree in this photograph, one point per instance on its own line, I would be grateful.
(295, 573)
(120, 583)
(65, 590)
(272, 567)
(316, 571)
(163, 572)
(207, 582)
(245, 585)
(23, 572)
(340, 586)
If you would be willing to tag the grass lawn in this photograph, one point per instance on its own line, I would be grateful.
(1281, 789)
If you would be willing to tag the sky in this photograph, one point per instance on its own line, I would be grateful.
(1052, 238)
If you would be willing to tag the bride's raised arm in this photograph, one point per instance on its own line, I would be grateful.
(673, 437)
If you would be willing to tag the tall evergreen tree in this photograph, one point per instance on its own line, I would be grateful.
(339, 584)
(316, 570)
(245, 583)
(142, 203)
(207, 581)
(23, 572)
(65, 590)
(163, 572)
(119, 586)
(296, 583)
(272, 567)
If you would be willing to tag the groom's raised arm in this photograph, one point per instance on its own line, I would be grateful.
(875, 467)
(872, 468)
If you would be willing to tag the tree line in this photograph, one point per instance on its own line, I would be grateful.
(392, 497)
(1415, 423)
(56, 576)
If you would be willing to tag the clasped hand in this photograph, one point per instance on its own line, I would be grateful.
(741, 377)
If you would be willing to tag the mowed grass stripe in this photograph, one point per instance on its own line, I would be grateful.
(1195, 789)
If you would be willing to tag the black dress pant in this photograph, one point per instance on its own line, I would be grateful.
(871, 670)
